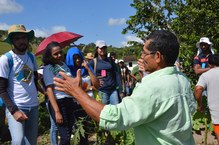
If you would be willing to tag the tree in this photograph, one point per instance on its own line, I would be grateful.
(150, 15)
(189, 19)
(196, 19)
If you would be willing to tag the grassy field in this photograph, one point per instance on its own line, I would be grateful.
(4, 47)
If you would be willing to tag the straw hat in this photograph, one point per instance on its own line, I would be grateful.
(18, 28)
(89, 56)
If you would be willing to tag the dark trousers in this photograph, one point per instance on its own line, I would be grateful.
(65, 129)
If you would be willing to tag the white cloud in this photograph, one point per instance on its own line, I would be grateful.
(131, 38)
(10, 6)
(124, 43)
(39, 32)
(42, 32)
(58, 29)
(4, 26)
(113, 22)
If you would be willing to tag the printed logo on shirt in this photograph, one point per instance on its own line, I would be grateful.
(24, 75)
(58, 68)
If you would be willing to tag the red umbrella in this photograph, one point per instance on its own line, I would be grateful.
(63, 38)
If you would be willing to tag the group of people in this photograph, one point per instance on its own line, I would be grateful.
(20, 85)
(206, 66)
(160, 107)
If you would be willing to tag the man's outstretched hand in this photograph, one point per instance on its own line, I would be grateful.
(68, 84)
(72, 86)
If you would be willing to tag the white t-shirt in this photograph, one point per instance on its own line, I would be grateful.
(210, 80)
(86, 81)
(49, 72)
(21, 86)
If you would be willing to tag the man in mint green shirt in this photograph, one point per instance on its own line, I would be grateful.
(160, 107)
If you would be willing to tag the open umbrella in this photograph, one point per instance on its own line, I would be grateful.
(63, 38)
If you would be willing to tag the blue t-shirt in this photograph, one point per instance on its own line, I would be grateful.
(106, 72)
(202, 60)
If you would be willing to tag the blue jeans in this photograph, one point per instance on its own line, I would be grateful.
(65, 129)
(53, 128)
(24, 133)
(128, 90)
(109, 98)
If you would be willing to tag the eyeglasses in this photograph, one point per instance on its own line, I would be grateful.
(143, 52)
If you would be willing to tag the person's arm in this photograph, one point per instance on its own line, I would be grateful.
(13, 109)
(40, 84)
(36, 80)
(132, 76)
(199, 70)
(72, 86)
(198, 96)
(52, 99)
(94, 80)
(128, 74)
(119, 82)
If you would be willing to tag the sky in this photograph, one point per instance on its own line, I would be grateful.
(94, 19)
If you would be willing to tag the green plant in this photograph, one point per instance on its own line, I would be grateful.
(80, 131)
(102, 136)
(203, 120)
(44, 122)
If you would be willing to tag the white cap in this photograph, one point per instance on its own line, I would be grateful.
(100, 43)
(204, 40)
(121, 60)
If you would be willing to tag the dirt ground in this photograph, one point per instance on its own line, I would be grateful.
(199, 138)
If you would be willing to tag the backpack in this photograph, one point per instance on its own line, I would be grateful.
(114, 69)
(1, 102)
(11, 63)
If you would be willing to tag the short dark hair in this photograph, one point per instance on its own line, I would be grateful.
(166, 43)
(112, 54)
(47, 54)
(213, 59)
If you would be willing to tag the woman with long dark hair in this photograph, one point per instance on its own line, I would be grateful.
(60, 104)
(106, 71)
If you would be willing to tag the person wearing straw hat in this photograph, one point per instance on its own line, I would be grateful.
(89, 56)
(201, 59)
(18, 74)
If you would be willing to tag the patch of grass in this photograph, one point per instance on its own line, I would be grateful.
(4, 47)
(43, 139)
